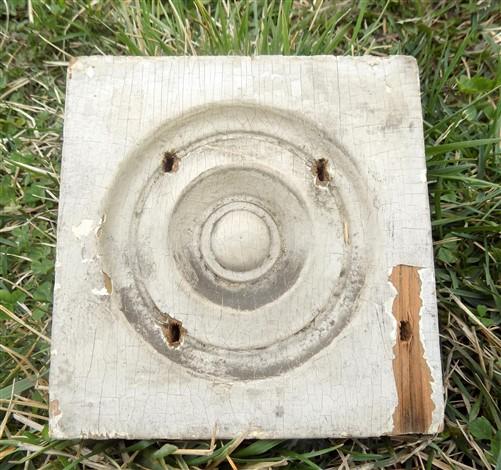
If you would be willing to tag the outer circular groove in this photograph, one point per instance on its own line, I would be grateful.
(325, 274)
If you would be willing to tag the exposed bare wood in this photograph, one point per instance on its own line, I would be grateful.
(412, 374)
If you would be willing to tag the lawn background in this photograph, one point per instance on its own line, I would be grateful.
(457, 46)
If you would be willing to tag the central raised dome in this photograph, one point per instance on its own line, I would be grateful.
(240, 241)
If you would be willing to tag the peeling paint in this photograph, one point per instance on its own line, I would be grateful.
(413, 379)
(428, 278)
(54, 408)
(99, 227)
(101, 292)
(72, 62)
(346, 233)
(422, 176)
(83, 229)
(108, 283)
(55, 415)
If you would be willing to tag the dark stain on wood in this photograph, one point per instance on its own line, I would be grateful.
(413, 413)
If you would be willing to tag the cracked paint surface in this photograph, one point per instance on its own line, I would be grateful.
(107, 381)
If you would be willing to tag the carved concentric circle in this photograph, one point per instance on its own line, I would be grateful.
(240, 241)
(238, 266)
(262, 265)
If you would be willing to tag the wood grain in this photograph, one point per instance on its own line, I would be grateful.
(412, 374)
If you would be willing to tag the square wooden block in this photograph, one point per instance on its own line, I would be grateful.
(244, 246)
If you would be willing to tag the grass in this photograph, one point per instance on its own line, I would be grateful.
(457, 45)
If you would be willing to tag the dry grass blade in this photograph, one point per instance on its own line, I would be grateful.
(24, 324)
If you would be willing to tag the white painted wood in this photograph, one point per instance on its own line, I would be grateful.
(227, 230)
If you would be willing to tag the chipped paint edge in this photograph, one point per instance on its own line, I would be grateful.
(415, 411)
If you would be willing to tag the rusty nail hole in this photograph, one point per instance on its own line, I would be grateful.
(405, 330)
(321, 171)
(170, 162)
(173, 332)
